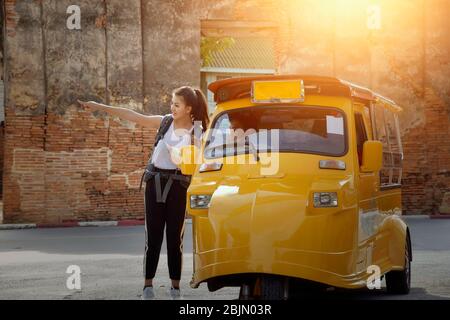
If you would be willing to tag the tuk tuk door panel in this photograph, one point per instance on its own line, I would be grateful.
(369, 221)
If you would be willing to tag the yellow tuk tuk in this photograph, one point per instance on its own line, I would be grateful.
(307, 189)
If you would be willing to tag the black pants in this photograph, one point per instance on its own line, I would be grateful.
(171, 215)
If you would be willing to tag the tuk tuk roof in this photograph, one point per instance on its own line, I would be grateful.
(237, 88)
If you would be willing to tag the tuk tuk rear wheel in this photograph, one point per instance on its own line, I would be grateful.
(274, 287)
(399, 282)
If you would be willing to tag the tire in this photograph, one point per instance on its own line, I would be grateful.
(273, 288)
(399, 282)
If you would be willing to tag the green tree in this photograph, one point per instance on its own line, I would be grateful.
(209, 45)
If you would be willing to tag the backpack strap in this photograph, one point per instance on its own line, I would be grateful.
(192, 137)
(163, 128)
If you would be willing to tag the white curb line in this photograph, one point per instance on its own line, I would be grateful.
(17, 226)
(98, 224)
(80, 224)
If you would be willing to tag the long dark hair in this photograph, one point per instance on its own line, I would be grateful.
(196, 99)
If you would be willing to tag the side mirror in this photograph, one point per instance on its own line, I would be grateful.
(188, 162)
(372, 156)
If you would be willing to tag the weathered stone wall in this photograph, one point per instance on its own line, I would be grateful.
(437, 108)
(62, 163)
(2, 112)
(171, 50)
(2, 139)
(407, 60)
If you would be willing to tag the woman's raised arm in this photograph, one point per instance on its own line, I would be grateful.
(123, 113)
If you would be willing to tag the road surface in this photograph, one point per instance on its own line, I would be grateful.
(33, 264)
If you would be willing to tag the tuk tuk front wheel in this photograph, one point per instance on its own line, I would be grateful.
(399, 282)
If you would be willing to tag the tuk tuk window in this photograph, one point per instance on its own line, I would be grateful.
(295, 129)
(387, 131)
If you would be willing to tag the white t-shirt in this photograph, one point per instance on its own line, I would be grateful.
(170, 144)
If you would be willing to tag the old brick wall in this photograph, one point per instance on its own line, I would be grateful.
(62, 163)
(2, 139)
(407, 60)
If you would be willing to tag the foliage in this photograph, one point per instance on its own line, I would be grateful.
(210, 45)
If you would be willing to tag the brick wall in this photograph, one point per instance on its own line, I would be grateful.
(407, 60)
(2, 139)
(80, 174)
(61, 163)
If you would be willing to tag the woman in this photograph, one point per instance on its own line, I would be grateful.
(165, 207)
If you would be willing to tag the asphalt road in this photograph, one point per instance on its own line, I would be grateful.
(33, 264)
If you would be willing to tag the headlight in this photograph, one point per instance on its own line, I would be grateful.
(325, 199)
(200, 201)
(206, 167)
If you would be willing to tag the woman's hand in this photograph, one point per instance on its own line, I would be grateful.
(90, 105)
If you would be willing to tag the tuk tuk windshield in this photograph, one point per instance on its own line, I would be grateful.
(316, 130)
